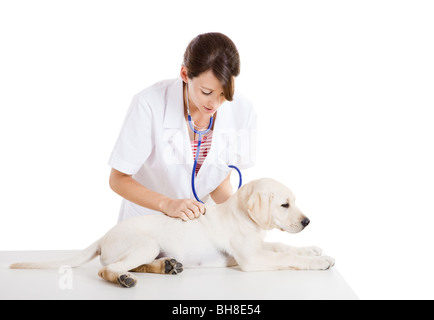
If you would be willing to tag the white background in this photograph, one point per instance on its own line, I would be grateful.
(343, 91)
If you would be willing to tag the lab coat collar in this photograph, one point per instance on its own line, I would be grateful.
(174, 113)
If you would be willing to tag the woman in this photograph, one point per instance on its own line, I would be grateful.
(153, 157)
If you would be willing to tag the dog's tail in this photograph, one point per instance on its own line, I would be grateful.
(80, 258)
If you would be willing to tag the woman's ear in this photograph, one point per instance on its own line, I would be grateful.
(184, 73)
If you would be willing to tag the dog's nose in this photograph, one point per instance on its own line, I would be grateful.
(305, 222)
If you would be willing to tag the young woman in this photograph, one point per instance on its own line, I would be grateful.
(153, 158)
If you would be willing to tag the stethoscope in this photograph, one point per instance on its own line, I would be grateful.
(199, 142)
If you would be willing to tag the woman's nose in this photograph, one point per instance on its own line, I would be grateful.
(215, 103)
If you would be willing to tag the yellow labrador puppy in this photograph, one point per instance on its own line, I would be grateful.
(228, 234)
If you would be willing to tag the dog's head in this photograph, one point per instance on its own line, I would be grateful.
(272, 205)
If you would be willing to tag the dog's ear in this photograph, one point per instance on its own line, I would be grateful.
(259, 209)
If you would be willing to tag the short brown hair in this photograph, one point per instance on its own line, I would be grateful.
(214, 51)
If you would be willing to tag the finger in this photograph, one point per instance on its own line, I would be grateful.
(195, 210)
(201, 207)
(189, 213)
(197, 214)
(183, 216)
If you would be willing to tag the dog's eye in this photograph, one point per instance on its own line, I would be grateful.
(285, 205)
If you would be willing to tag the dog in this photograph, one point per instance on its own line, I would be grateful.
(229, 234)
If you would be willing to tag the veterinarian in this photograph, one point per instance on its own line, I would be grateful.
(153, 157)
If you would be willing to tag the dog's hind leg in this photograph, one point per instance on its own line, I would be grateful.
(117, 271)
(161, 266)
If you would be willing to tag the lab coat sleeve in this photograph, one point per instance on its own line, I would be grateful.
(247, 142)
(135, 141)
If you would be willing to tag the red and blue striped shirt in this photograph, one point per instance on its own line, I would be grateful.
(204, 149)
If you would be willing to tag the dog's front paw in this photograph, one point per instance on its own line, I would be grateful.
(326, 262)
(320, 263)
(311, 251)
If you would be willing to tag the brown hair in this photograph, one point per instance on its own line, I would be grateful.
(214, 51)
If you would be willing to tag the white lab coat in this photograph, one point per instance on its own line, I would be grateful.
(154, 145)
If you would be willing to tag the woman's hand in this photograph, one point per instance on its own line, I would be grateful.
(124, 185)
(185, 209)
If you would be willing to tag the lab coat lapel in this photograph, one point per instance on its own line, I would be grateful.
(175, 135)
(174, 113)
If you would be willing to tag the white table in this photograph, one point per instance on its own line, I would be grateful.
(192, 284)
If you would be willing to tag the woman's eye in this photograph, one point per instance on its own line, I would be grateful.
(285, 205)
(206, 93)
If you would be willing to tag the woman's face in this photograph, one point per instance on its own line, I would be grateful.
(205, 92)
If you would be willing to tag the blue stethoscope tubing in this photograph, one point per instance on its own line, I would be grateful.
(199, 142)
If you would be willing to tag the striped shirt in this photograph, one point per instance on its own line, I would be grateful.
(204, 149)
